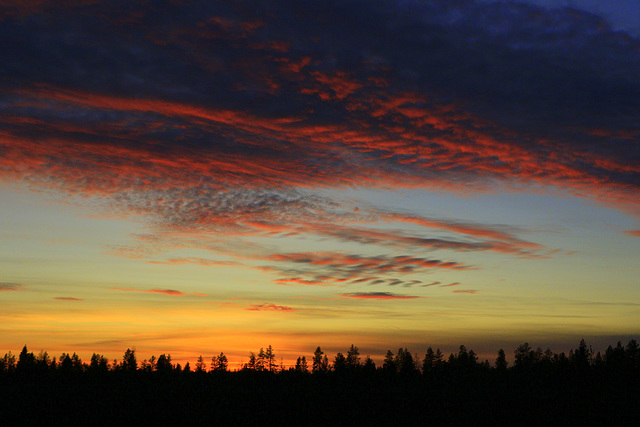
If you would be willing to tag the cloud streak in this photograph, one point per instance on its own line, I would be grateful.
(4, 286)
(378, 296)
(464, 96)
(269, 307)
(195, 260)
(170, 292)
(316, 113)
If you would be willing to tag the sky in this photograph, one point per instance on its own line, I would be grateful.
(191, 177)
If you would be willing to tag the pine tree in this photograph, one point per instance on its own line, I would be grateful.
(501, 361)
(200, 365)
(164, 364)
(389, 364)
(220, 363)
(429, 361)
(129, 363)
(353, 357)
(270, 359)
(318, 363)
(26, 361)
(251, 364)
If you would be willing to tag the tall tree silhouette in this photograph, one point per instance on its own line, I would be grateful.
(8, 362)
(129, 362)
(301, 365)
(404, 362)
(632, 354)
(163, 366)
(261, 360)
(429, 361)
(368, 367)
(339, 363)
(524, 356)
(319, 361)
(270, 359)
(43, 361)
(252, 363)
(389, 363)
(501, 361)
(26, 361)
(219, 363)
(353, 357)
(200, 365)
(98, 363)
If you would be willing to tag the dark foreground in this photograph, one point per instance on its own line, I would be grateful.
(594, 396)
(541, 388)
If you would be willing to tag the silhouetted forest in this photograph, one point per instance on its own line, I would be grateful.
(539, 387)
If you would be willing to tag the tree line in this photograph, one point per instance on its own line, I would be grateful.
(531, 386)
(401, 362)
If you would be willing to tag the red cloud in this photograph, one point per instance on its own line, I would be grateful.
(468, 229)
(635, 233)
(450, 284)
(430, 284)
(474, 151)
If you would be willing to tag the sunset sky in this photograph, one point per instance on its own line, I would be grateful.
(194, 177)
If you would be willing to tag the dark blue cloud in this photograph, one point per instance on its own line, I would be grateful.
(324, 92)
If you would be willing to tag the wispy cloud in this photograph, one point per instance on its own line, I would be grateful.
(375, 119)
(4, 286)
(269, 307)
(430, 284)
(377, 295)
(68, 299)
(475, 230)
(299, 281)
(350, 263)
(194, 260)
(171, 292)
(237, 150)
(465, 291)
(336, 267)
(450, 284)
